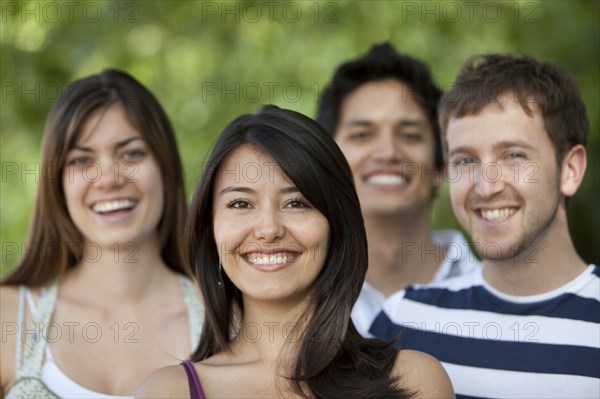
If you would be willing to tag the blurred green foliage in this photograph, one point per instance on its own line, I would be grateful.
(208, 62)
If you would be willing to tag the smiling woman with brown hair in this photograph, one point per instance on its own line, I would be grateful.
(279, 248)
(103, 288)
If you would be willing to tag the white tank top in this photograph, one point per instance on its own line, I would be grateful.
(38, 376)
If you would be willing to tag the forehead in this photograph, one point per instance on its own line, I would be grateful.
(250, 165)
(498, 122)
(106, 124)
(381, 100)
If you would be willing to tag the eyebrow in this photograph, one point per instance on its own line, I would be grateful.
(502, 145)
(401, 123)
(119, 144)
(242, 189)
(508, 144)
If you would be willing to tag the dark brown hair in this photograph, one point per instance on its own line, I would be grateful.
(51, 226)
(332, 359)
(545, 87)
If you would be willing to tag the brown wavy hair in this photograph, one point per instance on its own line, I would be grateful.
(51, 225)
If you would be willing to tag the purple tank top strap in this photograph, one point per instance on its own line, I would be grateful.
(196, 391)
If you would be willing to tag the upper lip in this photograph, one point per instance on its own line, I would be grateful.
(385, 171)
(491, 208)
(111, 200)
(95, 203)
(271, 251)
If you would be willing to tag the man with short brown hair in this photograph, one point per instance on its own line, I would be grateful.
(528, 324)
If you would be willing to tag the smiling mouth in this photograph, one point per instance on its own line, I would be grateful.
(496, 215)
(387, 180)
(259, 259)
(108, 207)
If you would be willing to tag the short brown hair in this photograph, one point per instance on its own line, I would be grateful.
(549, 87)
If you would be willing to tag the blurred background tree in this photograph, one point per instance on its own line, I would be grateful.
(209, 61)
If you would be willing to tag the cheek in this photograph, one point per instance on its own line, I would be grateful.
(73, 189)
(158, 192)
(218, 232)
(424, 155)
(315, 237)
(227, 233)
(149, 179)
(457, 192)
(147, 171)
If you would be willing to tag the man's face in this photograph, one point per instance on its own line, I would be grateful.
(389, 144)
(504, 179)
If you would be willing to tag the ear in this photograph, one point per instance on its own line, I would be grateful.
(573, 169)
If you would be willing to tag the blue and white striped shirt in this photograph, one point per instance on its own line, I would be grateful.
(496, 345)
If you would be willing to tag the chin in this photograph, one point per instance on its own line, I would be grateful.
(388, 210)
(495, 251)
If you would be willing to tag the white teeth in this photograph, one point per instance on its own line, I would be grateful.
(387, 180)
(497, 215)
(112, 206)
(258, 259)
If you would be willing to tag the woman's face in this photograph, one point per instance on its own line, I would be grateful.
(112, 183)
(271, 241)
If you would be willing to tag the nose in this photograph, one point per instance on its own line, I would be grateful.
(109, 174)
(268, 225)
(489, 181)
(386, 147)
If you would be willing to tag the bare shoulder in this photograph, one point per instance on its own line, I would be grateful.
(9, 299)
(167, 382)
(9, 304)
(423, 374)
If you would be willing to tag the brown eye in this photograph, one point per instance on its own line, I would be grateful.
(359, 136)
(414, 137)
(239, 204)
(297, 203)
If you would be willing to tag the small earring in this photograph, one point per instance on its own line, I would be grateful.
(220, 274)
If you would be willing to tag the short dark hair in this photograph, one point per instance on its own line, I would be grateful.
(546, 86)
(332, 356)
(379, 63)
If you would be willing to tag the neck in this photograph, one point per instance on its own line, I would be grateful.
(267, 329)
(117, 274)
(548, 263)
(401, 251)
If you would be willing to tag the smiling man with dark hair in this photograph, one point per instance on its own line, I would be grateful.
(381, 108)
